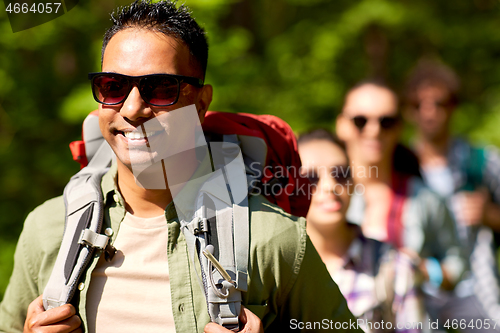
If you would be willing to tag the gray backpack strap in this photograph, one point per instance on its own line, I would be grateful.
(223, 278)
(84, 216)
(234, 169)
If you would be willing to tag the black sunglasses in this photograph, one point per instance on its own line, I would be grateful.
(439, 104)
(155, 89)
(340, 173)
(386, 122)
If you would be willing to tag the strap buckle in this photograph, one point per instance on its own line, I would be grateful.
(93, 239)
(198, 226)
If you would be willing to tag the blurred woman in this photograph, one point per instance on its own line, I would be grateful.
(377, 281)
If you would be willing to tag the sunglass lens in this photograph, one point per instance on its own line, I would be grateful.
(110, 89)
(313, 178)
(341, 174)
(388, 122)
(161, 91)
(360, 122)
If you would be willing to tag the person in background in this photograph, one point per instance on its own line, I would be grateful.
(468, 178)
(394, 205)
(377, 281)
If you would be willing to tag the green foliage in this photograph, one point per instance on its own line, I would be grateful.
(291, 58)
(41, 70)
(6, 261)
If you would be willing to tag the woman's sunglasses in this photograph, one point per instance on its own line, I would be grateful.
(386, 122)
(155, 89)
(340, 173)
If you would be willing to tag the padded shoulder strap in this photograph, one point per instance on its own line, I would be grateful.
(222, 249)
(84, 215)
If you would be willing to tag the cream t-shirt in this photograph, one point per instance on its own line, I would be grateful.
(132, 292)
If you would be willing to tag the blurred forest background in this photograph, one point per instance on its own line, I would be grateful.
(291, 58)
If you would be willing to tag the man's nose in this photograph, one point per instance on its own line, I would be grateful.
(134, 107)
(428, 107)
(372, 128)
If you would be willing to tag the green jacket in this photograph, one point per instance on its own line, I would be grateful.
(288, 285)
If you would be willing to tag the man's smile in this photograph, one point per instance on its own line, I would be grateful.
(137, 135)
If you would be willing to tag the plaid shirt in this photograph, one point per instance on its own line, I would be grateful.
(379, 285)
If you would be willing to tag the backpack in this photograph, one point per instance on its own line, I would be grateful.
(264, 150)
(471, 164)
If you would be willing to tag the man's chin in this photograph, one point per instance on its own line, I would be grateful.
(433, 133)
(147, 175)
(137, 163)
(371, 158)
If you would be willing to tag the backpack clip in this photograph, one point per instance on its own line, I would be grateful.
(228, 283)
(198, 226)
(93, 239)
(109, 252)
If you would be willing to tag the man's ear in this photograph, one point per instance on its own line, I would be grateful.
(342, 127)
(204, 101)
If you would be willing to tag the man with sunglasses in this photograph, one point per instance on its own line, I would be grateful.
(154, 59)
(396, 207)
(468, 178)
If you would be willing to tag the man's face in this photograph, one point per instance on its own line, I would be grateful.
(136, 52)
(375, 141)
(431, 110)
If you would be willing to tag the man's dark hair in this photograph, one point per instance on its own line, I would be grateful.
(432, 72)
(166, 18)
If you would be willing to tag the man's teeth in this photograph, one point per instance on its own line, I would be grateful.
(137, 135)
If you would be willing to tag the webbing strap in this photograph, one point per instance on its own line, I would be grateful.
(241, 245)
(224, 227)
(236, 177)
(228, 314)
(93, 239)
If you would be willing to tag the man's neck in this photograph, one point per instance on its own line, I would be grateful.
(138, 200)
(432, 151)
(367, 174)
